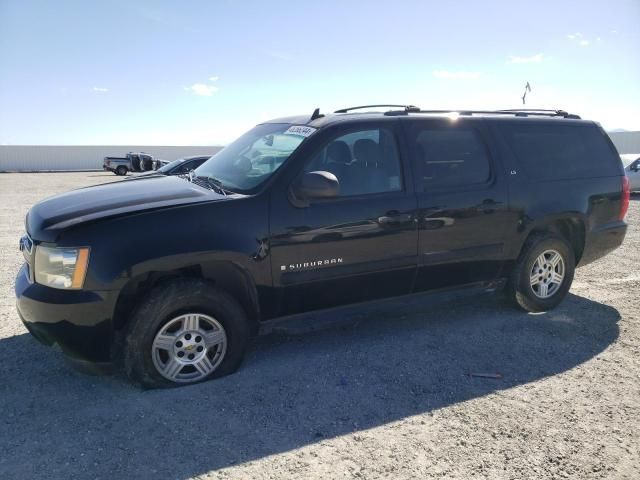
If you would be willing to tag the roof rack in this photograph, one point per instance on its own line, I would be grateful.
(515, 112)
(407, 108)
(518, 112)
(541, 111)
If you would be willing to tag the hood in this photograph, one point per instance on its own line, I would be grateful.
(145, 174)
(47, 218)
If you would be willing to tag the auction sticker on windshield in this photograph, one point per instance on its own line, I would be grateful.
(301, 130)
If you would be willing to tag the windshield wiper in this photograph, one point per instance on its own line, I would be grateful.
(215, 184)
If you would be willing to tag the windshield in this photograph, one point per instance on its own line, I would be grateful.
(170, 165)
(254, 157)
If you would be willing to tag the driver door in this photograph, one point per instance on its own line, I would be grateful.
(358, 246)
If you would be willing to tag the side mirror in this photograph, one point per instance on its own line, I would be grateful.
(314, 185)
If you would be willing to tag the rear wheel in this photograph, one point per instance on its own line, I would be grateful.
(121, 171)
(543, 273)
(185, 332)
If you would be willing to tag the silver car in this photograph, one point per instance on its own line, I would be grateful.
(631, 164)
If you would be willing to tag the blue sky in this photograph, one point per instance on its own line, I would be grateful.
(202, 72)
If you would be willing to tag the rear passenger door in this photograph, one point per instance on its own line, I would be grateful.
(462, 201)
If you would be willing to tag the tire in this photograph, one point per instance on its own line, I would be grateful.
(165, 317)
(538, 297)
(121, 171)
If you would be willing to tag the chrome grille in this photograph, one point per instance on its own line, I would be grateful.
(26, 247)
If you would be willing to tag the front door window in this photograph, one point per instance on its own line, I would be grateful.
(363, 161)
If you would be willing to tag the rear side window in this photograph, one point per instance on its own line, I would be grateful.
(450, 157)
(556, 152)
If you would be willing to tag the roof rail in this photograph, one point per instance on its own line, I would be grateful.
(515, 112)
(518, 112)
(542, 111)
(407, 108)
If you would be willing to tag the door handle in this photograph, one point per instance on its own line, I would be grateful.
(395, 218)
(488, 206)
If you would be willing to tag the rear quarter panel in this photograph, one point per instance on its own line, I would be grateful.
(593, 202)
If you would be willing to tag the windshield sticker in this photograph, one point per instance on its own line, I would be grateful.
(300, 130)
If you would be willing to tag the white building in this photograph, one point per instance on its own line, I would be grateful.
(25, 158)
(626, 142)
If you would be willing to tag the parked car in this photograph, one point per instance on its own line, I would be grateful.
(632, 170)
(306, 213)
(181, 166)
(132, 162)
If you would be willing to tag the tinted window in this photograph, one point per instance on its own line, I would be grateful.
(450, 157)
(193, 164)
(171, 165)
(364, 162)
(551, 152)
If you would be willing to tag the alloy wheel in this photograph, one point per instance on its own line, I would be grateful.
(188, 348)
(547, 274)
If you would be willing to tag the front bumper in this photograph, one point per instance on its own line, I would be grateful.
(601, 241)
(78, 321)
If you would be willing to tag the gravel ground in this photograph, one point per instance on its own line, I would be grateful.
(387, 396)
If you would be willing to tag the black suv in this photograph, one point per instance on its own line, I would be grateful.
(306, 213)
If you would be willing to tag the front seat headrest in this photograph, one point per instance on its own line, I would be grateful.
(338, 152)
(366, 151)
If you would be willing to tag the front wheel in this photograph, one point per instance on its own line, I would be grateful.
(185, 332)
(543, 274)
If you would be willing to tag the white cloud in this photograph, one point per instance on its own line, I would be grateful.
(280, 55)
(204, 89)
(537, 58)
(100, 89)
(578, 37)
(460, 75)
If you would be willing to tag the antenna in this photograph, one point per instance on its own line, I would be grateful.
(316, 114)
(527, 87)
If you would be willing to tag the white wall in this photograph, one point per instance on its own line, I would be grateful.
(626, 142)
(16, 158)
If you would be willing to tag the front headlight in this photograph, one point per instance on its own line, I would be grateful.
(61, 267)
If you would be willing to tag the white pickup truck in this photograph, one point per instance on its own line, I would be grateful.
(132, 162)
